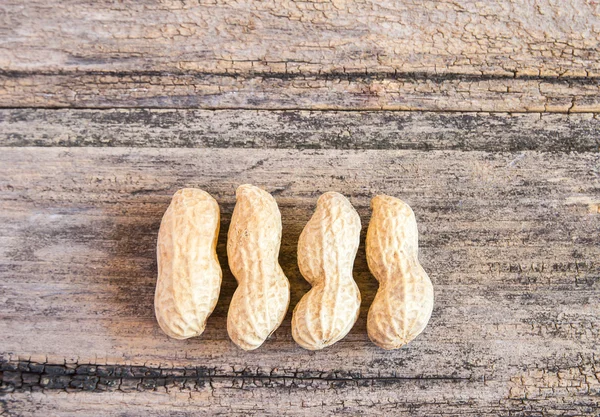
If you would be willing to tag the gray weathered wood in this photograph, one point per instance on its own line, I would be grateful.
(511, 242)
(393, 54)
(301, 129)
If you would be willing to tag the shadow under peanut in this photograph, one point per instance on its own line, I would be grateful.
(131, 266)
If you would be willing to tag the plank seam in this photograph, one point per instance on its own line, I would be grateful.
(325, 76)
(303, 109)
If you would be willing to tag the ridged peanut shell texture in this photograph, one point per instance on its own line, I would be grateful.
(262, 297)
(404, 301)
(189, 274)
(326, 251)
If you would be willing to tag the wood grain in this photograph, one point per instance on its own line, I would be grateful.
(383, 130)
(395, 54)
(510, 240)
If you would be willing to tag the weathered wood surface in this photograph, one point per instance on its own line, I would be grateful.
(395, 54)
(172, 128)
(511, 242)
(506, 194)
(471, 37)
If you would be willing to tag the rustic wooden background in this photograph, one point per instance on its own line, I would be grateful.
(482, 115)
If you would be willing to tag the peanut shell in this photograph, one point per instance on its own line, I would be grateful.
(262, 297)
(189, 274)
(326, 251)
(404, 301)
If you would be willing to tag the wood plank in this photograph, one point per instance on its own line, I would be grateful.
(492, 132)
(275, 398)
(300, 91)
(475, 38)
(511, 242)
(392, 54)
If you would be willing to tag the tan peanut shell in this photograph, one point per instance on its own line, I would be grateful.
(189, 274)
(326, 251)
(404, 301)
(262, 297)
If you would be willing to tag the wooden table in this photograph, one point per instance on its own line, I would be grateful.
(481, 115)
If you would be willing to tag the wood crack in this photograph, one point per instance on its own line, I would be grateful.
(24, 376)
(330, 75)
(321, 91)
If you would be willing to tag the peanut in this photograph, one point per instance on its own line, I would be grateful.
(262, 297)
(189, 274)
(326, 251)
(404, 301)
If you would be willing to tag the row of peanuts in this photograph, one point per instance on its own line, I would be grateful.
(189, 273)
